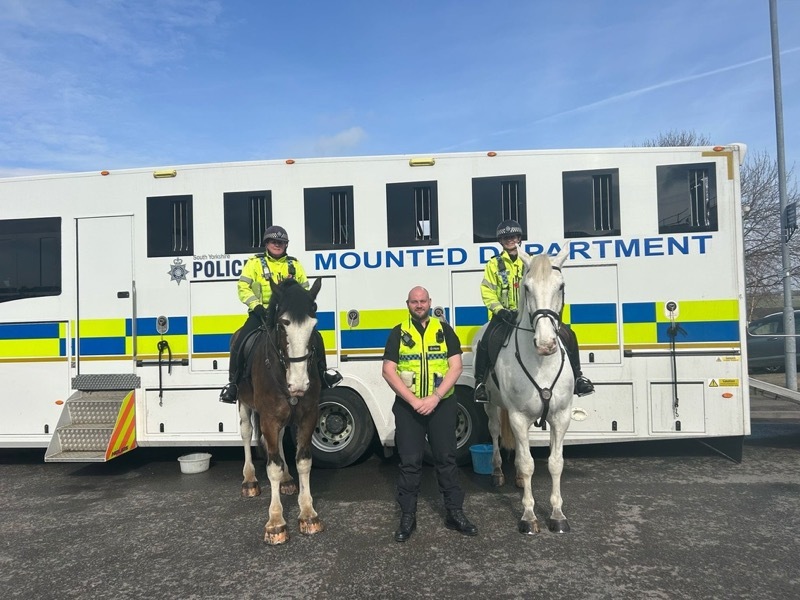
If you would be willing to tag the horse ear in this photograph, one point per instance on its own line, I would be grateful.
(525, 258)
(315, 288)
(562, 255)
(273, 287)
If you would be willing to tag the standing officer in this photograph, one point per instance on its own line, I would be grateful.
(500, 294)
(421, 363)
(255, 292)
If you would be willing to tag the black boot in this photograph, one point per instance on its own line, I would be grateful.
(408, 523)
(229, 394)
(456, 519)
(479, 368)
(583, 387)
(330, 377)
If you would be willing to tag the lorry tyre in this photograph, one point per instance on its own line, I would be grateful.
(344, 429)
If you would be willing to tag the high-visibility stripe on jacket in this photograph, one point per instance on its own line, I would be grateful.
(253, 285)
(425, 357)
(500, 285)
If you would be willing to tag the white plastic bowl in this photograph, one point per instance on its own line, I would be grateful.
(195, 463)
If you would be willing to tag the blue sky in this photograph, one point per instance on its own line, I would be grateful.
(110, 84)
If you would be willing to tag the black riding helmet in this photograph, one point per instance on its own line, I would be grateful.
(275, 232)
(509, 227)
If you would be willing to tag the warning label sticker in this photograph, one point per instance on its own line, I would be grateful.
(723, 383)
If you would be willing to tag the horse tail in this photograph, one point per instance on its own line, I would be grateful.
(506, 433)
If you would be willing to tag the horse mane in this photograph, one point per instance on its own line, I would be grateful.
(292, 298)
(540, 267)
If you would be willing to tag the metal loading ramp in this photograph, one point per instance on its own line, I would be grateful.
(96, 424)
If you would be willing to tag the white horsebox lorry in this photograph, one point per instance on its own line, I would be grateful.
(118, 290)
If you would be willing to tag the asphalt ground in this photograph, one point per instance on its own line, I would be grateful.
(661, 520)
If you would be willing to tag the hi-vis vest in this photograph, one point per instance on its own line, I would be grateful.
(423, 358)
(500, 285)
(253, 286)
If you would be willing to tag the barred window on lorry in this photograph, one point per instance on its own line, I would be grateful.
(30, 258)
(494, 200)
(412, 214)
(328, 215)
(687, 198)
(591, 203)
(169, 226)
(247, 215)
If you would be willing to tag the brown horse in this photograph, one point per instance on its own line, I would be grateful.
(283, 389)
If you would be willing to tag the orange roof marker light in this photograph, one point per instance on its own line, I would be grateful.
(289, 161)
(103, 173)
(718, 148)
(59, 402)
(491, 153)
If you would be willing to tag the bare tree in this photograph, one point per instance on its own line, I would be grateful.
(762, 230)
(675, 138)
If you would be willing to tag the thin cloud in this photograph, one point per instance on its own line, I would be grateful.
(651, 88)
(341, 142)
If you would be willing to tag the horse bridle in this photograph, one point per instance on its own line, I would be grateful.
(545, 393)
(283, 359)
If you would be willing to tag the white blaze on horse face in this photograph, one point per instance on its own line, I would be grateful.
(298, 338)
(543, 285)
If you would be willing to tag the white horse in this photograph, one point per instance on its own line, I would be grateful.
(533, 380)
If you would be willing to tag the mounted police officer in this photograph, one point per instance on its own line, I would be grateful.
(500, 294)
(255, 292)
(421, 363)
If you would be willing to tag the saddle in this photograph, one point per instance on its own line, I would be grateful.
(248, 355)
(496, 337)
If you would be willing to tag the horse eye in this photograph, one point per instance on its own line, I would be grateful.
(285, 322)
(314, 308)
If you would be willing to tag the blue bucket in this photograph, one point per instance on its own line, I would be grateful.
(481, 458)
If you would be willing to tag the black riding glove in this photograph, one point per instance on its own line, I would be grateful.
(509, 316)
(260, 311)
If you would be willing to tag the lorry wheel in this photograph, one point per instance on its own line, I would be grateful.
(344, 429)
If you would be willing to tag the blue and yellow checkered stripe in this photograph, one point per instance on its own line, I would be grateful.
(113, 338)
(211, 334)
(21, 342)
(706, 323)
(594, 324)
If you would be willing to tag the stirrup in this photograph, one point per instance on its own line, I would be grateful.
(480, 393)
(331, 378)
(229, 394)
(583, 387)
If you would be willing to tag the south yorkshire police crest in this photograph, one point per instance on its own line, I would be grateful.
(177, 272)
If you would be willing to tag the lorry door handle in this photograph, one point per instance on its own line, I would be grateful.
(123, 294)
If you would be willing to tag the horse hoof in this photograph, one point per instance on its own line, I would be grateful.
(289, 488)
(528, 527)
(311, 526)
(251, 489)
(276, 535)
(498, 480)
(558, 526)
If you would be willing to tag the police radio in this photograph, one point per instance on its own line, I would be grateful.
(407, 340)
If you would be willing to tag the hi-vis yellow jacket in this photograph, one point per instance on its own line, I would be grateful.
(253, 283)
(500, 285)
(423, 356)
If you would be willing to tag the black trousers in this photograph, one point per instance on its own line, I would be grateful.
(236, 365)
(409, 437)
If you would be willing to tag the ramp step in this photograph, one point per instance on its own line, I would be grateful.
(74, 456)
(85, 437)
(93, 411)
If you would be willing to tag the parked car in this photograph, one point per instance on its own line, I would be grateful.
(765, 343)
